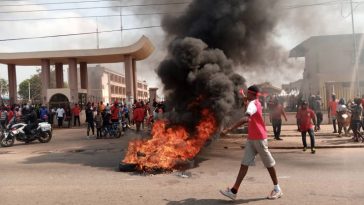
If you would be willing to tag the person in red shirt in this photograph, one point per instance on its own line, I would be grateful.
(76, 114)
(10, 115)
(306, 116)
(138, 116)
(332, 111)
(257, 143)
(115, 112)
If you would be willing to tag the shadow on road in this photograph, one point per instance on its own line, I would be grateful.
(192, 201)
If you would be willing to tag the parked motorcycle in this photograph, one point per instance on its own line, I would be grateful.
(43, 133)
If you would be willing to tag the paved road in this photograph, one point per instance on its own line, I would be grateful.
(74, 170)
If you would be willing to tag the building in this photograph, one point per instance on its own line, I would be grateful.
(293, 86)
(329, 66)
(110, 86)
(78, 61)
(268, 89)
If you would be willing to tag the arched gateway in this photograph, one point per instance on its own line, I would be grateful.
(140, 50)
(58, 100)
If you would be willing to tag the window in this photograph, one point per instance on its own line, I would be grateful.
(112, 88)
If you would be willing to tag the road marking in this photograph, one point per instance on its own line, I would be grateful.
(284, 177)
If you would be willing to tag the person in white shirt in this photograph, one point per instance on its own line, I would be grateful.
(60, 115)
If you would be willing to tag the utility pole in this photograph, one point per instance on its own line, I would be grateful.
(356, 63)
(97, 34)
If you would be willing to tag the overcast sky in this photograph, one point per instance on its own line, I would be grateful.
(297, 25)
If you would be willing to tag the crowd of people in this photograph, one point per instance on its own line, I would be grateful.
(140, 113)
(344, 116)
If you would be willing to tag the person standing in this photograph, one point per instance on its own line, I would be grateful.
(356, 112)
(3, 117)
(257, 143)
(90, 120)
(76, 115)
(317, 109)
(115, 113)
(342, 116)
(306, 116)
(18, 115)
(43, 113)
(138, 116)
(11, 115)
(275, 116)
(60, 115)
(98, 121)
(332, 111)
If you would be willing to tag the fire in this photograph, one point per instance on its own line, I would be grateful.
(170, 145)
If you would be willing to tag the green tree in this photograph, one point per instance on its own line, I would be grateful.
(4, 86)
(35, 89)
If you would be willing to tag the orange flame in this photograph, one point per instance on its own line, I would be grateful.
(169, 146)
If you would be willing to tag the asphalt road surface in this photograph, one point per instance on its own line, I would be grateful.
(74, 170)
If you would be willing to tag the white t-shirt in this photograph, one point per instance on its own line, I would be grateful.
(60, 112)
(252, 108)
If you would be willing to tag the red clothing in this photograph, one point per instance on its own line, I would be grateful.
(332, 106)
(305, 117)
(10, 115)
(256, 126)
(114, 113)
(362, 102)
(76, 111)
(138, 114)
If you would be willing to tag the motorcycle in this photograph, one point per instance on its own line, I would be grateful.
(42, 133)
(114, 130)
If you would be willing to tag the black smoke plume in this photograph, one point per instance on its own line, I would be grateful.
(243, 29)
(210, 38)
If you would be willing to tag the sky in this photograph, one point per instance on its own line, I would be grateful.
(295, 26)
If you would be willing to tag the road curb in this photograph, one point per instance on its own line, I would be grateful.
(317, 147)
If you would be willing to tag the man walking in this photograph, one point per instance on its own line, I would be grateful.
(306, 116)
(275, 116)
(257, 143)
(60, 115)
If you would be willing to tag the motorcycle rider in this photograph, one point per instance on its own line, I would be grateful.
(31, 119)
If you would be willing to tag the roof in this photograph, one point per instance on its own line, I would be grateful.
(268, 87)
(140, 50)
(314, 41)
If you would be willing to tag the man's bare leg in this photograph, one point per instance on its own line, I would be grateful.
(242, 172)
(273, 175)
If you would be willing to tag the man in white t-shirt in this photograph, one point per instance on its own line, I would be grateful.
(60, 115)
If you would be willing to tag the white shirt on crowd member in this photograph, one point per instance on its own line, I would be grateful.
(60, 112)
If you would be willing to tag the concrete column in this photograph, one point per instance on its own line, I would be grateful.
(45, 78)
(129, 79)
(59, 75)
(83, 75)
(72, 79)
(135, 79)
(12, 83)
(153, 94)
